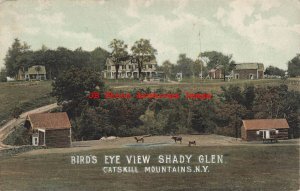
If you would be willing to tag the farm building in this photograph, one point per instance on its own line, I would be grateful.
(49, 129)
(256, 129)
(37, 72)
(249, 71)
(216, 73)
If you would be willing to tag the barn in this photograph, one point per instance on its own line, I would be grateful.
(256, 129)
(49, 129)
(216, 73)
(249, 71)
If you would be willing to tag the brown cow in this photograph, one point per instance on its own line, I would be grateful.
(192, 143)
(139, 139)
(177, 139)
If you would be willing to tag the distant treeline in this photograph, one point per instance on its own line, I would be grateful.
(20, 56)
(56, 61)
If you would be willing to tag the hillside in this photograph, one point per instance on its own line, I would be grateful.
(27, 95)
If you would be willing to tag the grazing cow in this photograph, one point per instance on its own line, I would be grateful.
(177, 139)
(139, 139)
(192, 143)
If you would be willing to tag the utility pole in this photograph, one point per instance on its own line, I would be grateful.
(199, 57)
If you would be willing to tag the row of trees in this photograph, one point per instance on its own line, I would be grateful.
(92, 119)
(191, 68)
(274, 71)
(142, 51)
(294, 66)
(20, 56)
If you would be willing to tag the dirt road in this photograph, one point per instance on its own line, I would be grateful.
(7, 128)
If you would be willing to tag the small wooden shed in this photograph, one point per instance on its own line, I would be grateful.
(49, 129)
(216, 73)
(250, 129)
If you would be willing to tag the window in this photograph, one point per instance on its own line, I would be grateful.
(35, 141)
(123, 67)
(150, 66)
(251, 76)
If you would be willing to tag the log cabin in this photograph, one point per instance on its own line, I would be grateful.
(270, 128)
(49, 129)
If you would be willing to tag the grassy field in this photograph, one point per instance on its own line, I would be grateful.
(207, 85)
(27, 95)
(266, 167)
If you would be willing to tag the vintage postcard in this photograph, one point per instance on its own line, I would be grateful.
(149, 95)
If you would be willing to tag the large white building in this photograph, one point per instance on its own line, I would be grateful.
(128, 69)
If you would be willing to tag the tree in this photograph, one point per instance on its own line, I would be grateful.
(202, 115)
(94, 124)
(185, 65)
(13, 59)
(16, 112)
(3, 75)
(278, 102)
(294, 66)
(219, 59)
(64, 59)
(118, 54)
(167, 67)
(37, 69)
(274, 71)
(142, 51)
(73, 86)
(229, 117)
(249, 96)
(98, 59)
(199, 67)
(81, 58)
(51, 65)
(232, 94)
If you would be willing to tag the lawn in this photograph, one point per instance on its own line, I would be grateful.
(209, 86)
(245, 167)
(27, 95)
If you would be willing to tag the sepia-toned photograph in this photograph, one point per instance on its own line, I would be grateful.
(149, 95)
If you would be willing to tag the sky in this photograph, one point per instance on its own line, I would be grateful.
(266, 31)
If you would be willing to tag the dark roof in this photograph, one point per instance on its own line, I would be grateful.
(110, 62)
(243, 66)
(49, 121)
(259, 124)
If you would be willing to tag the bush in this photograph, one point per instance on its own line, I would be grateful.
(16, 112)
(20, 136)
(124, 131)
